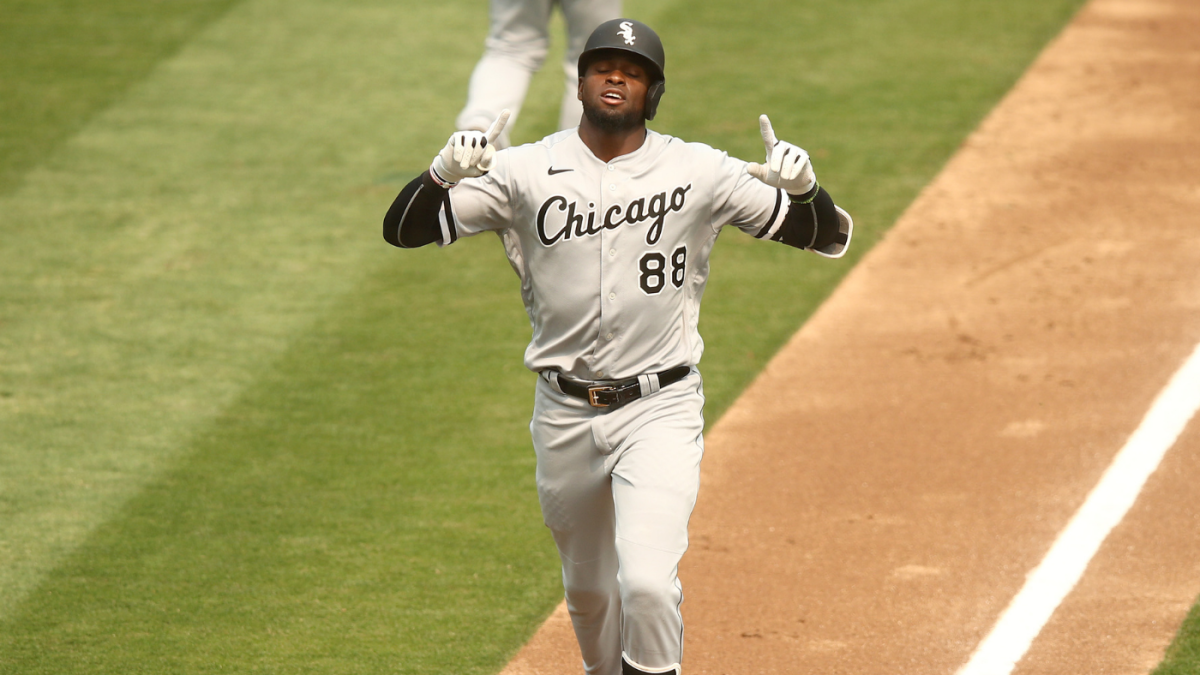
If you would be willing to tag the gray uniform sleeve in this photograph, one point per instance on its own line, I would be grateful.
(743, 201)
(479, 204)
(810, 221)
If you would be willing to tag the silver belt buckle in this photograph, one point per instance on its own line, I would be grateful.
(592, 391)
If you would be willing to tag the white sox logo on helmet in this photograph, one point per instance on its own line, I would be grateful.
(627, 32)
(638, 210)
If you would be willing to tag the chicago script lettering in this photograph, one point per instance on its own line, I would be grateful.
(559, 220)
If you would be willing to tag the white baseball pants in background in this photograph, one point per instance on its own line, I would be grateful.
(515, 49)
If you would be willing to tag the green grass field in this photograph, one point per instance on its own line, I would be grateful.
(238, 432)
(1183, 656)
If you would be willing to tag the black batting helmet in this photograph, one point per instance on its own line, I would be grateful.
(634, 37)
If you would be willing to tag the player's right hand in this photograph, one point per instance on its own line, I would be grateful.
(787, 165)
(469, 154)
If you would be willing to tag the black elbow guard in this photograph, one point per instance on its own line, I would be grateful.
(412, 220)
(815, 223)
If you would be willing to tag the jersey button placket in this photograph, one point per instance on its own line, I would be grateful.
(610, 325)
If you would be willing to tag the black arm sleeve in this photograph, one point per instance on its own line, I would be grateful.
(412, 220)
(811, 222)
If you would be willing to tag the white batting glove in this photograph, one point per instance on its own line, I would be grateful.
(787, 166)
(468, 154)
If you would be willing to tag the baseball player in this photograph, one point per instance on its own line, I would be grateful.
(609, 227)
(516, 46)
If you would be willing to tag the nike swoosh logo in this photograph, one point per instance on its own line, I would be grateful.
(551, 171)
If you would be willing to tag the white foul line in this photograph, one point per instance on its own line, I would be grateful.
(1108, 503)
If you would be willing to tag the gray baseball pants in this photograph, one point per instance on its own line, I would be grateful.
(616, 490)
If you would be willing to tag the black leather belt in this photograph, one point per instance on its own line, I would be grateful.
(616, 393)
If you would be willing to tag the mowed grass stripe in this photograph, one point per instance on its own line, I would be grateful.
(63, 60)
(345, 516)
(325, 440)
(160, 259)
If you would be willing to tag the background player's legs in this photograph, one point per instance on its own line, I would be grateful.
(572, 109)
(654, 486)
(515, 49)
(581, 17)
(575, 492)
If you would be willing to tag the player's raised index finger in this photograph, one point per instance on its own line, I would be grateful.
(768, 134)
(494, 131)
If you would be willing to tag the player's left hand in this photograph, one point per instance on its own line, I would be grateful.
(787, 165)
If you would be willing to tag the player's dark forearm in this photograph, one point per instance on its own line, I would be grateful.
(811, 221)
(412, 220)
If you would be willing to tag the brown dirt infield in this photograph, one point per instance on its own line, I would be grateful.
(875, 499)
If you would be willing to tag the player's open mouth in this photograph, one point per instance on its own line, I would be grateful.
(612, 96)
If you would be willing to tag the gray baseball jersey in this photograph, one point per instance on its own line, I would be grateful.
(613, 257)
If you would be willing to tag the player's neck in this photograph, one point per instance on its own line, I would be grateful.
(608, 145)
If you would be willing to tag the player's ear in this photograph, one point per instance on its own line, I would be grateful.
(579, 90)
